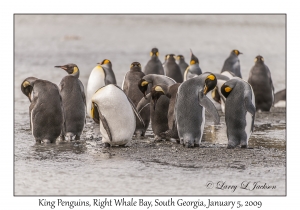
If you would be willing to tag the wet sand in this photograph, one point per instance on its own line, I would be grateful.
(146, 167)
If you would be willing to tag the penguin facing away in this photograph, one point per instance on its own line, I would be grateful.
(100, 76)
(154, 65)
(191, 103)
(261, 81)
(181, 63)
(45, 110)
(170, 92)
(130, 88)
(240, 111)
(193, 69)
(73, 101)
(159, 116)
(114, 111)
(232, 63)
(172, 69)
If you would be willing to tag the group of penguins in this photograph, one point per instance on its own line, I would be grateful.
(171, 95)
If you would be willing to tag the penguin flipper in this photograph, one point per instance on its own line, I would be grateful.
(249, 106)
(105, 125)
(135, 111)
(209, 106)
(185, 73)
(144, 102)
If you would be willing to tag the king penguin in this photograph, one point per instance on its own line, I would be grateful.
(171, 93)
(280, 98)
(181, 63)
(172, 69)
(261, 81)
(130, 88)
(232, 63)
(191, 103)
(114, 111)
(73, 100)
(159, 116)
(240, 111)
(154, 65)
(193, 69)
(45, 110)
(100, 76)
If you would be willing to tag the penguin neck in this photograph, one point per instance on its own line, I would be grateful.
(75, 74)
(154, 58)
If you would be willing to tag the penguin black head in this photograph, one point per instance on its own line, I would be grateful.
(179, 57)
(135, 66)
(259, 59)
(236, 52)
(27, 86)
(95, 112)
(143, 86)
(210, 83)
(105, 61)
(170, 57)
(194, 59)
(154, 52)
(71, 68)
(156, 92)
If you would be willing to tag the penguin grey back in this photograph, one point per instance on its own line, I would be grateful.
(172, 69)
(181, 63)
(261, 81)
(154, 65)
(232, 63)
(240, 111)
(109, 73)
(45, 110)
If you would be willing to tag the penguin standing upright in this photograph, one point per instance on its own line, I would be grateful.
(190, 106)
(232, 63)
(45, 110)
(130, 88)
(193, 69)
(181, 63)
(114, 111)
(73, 100)
(100, 76)
(159, 116)
(171, 93)
(240, 111)
(154, 65)
(261, 81)
(172, 69)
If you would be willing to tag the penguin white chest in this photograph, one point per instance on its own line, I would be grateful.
(96, 81)
(203, 123)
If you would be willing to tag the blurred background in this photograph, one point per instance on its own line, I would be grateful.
(43, 41)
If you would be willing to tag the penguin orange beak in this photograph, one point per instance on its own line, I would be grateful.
(62, 67)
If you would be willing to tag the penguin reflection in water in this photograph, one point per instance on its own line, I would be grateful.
(114, 111)
(73, 100)
(45, 110)
(240, 111)
(190, 106)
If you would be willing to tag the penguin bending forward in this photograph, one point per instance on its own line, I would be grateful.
(190, 106)
(114, 111)
(100, 76)
(130, 88)
(45, 110)
(159, 116)
(73, 100)
(240, 111)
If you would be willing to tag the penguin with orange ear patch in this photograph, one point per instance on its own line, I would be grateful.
(232, 63)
